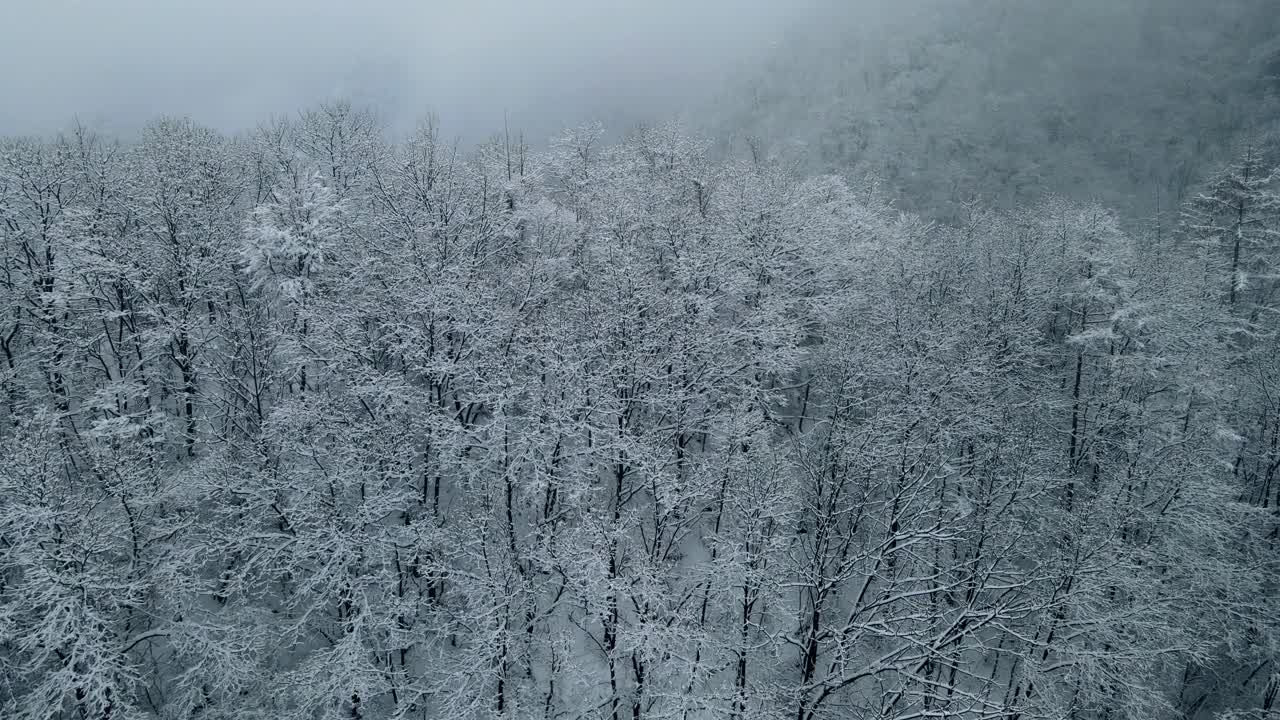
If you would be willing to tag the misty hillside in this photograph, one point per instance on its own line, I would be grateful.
(1000, 100)
(927, 367)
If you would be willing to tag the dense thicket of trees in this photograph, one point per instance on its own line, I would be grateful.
(312, 424)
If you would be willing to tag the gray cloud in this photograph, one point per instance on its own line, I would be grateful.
(233, 63)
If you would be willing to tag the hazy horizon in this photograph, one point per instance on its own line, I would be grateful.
(472, 64)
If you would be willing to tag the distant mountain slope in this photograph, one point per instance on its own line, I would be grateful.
(1121, 102)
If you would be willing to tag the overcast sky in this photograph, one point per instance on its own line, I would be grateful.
(232, 63)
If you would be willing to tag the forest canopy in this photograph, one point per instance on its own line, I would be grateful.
(793, 419)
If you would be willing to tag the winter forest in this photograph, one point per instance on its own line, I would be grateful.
(929, 369)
